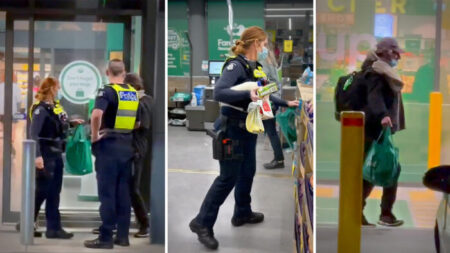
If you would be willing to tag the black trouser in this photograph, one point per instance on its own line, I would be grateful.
(113, 165)
(48, 189)
(270, 129)
(137, 202)
(237, 174)
(389, 193)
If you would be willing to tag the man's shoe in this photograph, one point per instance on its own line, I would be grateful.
(389, 220)
(60, 234)
(205, 235)
(96, 231)
(365, 223)
(142, 233)
(274, 164)
(97, 244)
(124, 242)
(252, 219)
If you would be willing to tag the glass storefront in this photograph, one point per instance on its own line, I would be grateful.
(74, 52)
(346, 31)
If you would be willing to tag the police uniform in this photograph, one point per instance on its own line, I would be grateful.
(49, 124)
(237, 172)
(114, 154)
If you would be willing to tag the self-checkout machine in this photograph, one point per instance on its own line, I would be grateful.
(204, 111)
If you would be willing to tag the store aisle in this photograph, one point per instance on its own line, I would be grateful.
(191, 172)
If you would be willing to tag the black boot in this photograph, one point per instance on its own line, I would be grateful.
(97, 244)
(274, 164)
(205, 235)
(252, 219)
(60, 234)
(124, 242)
(36, 233)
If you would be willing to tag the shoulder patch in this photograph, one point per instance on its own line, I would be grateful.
(36, 111)
(100, 93)
(231, 66)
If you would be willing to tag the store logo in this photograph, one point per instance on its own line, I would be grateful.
(237, 30)
(79, 81)
(173, 40)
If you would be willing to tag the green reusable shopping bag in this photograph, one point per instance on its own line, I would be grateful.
(381, 166)
(286, 120)
(78, 153)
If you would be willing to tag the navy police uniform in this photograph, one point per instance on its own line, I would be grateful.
(239, 171)
(114, 153)
(49, 125)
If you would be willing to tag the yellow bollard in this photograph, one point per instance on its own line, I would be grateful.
(435, 130)
(350, 185)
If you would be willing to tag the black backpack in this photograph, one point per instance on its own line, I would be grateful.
(350, 93)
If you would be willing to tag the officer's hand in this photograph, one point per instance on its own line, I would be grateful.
(293, 103)
(96, 137)
(77, 122)
(39, 162)
(386, 122)
(254, 95)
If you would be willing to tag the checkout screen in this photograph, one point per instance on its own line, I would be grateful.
(215, 68)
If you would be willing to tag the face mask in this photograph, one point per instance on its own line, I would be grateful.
(59, 95)
(263, 54)
(393, 63)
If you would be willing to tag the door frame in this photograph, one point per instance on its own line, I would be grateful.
(31, 15)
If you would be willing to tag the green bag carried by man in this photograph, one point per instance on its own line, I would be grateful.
(381, 166)
(78, 153)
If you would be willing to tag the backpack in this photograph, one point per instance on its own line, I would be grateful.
(350, 93)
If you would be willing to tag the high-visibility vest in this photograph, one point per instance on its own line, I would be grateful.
(127, 108)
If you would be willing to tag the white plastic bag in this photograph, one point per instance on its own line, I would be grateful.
(266, 108)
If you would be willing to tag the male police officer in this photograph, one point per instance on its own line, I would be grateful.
(114, 117)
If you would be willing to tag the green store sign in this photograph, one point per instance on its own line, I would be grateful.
(178, 53)
(246, 13)
(79, 81)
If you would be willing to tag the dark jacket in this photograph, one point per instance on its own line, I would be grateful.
(383, 100)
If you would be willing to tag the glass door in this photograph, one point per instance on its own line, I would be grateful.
(76, 53)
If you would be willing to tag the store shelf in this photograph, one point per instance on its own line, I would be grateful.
(303, 168)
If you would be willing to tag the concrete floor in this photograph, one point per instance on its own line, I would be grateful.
(191, 172)
(380, 240)
(10, 242)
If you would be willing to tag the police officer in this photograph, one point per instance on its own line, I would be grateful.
(114, 117)
(238, 171)
(49, 124)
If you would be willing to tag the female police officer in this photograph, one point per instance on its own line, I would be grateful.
(49, 124)
(238, 170)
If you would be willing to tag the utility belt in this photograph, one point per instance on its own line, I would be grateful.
(225, 148)
(112, 132)
(56, 145)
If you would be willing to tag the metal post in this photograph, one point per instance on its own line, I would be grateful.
(28, 179)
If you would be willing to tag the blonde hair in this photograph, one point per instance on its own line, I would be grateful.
(45, 89)
(249, 36)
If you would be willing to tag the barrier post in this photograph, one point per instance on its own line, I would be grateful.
(435, 130)
(350, 183)
(28, 184)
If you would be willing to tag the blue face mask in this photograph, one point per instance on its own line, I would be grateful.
(263, 54)
(59, 95)
(393, 63)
